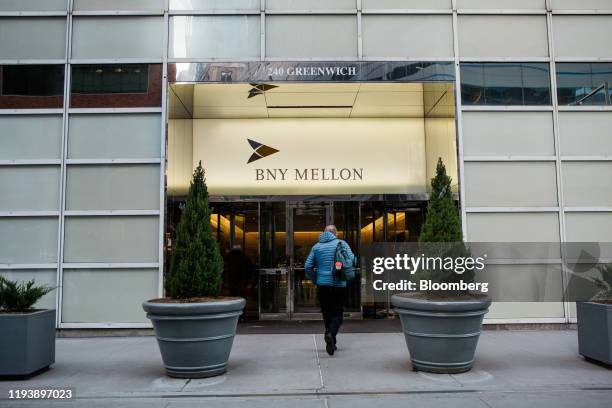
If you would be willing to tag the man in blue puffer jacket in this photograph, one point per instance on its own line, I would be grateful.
(330, 291)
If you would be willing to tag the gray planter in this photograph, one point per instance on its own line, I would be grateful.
(195, 339)
(595, 331)
(441, 336)
(27, 343)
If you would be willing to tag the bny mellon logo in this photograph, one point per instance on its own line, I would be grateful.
(261, 151)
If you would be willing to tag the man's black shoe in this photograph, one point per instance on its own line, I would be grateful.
(329, 344)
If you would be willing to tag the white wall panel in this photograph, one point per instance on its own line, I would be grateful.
(589, 227)
(111, 239)
(113, 187)
(582, 36)
(513, 227)
(394, 36)
(180, 155)
(506, 36)
(119, 5)
(28, 240)
(214, 4)
(42, 277)
(33, 5)
(311, 36)
(508, 134)
(114, 136)
(506, 184)
(214, 37)
(33, 38)
(440, 142)
(587, 184)
(581, 4)
(25, 188)
(117, 37)
(311, 4)
(30, 137)
(121, 291)
(501, 4)
(406, 4)
(585, 133)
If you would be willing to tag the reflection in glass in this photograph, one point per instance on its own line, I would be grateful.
(346, 219)
(116, 85)
(31, 86)
(309, 221)
(505, 84)
(273, 271)
(584, 83)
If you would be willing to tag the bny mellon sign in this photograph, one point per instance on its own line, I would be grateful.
(311, 156)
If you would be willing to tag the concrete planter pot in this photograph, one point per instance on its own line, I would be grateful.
(595, 331)
(27, 343)
(441, 335)
(195, 339)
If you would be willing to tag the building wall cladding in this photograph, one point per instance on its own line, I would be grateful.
(531, 169)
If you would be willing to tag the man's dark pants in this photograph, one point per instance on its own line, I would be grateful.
(331, 299)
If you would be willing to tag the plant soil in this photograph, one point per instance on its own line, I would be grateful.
(443, 298)
(603, 302)
(19, 311)
(206, 299)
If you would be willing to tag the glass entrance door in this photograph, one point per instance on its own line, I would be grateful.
(307, 221)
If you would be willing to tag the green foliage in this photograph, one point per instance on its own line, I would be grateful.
(20, 297)
(604, 283)
(196, 264)
(442, 223)
(441, 234)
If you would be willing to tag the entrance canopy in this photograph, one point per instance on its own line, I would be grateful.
(311, 138)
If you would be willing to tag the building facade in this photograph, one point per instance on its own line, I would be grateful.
(94, 92)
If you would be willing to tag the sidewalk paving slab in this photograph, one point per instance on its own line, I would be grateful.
(512, 369)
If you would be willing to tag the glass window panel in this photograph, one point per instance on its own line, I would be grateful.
(214, 36)
(310, 4)
(584, 83)
(33, 38)
(506, 36)
(28, 240)
(381, 39)
(513, 227)
(405, 4)
(328, 36)
(33, 5)
(30, 137)
(113, 187)
(510, 184)
(26, 188)
(585, 133)
(501, 4)
(505, 84)
(114, 136)
(122, 291)
(589, 227)
(214, 4)
(119, 5)
(42, 277)
(587, 184)
(31, 86)
(117, 37)
(582, 36)
(111, 239)
(116, 85)
(581, 4)
(508, 134)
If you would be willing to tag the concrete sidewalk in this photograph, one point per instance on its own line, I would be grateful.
(513, 369)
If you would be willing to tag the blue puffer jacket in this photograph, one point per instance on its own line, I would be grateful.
(322, 256)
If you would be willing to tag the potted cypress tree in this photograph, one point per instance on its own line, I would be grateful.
(30, 347)
(442, 328)
(595, 320)
(195, 327)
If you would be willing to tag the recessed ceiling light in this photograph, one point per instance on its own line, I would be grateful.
(118, 70)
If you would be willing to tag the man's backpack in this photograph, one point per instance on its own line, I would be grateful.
(344, 264)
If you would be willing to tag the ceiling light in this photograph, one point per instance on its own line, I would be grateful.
(118, 70)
